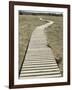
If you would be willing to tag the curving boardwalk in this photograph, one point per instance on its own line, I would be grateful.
(39, 61)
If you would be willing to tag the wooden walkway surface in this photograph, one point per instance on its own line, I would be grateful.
(39, 61)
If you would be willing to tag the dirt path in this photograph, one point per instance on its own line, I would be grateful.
(39, 60)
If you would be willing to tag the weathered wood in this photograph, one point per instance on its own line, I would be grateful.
(41, 76)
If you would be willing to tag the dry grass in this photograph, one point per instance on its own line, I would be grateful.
(54, 33)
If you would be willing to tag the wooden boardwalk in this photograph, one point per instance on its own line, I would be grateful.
(39, 61)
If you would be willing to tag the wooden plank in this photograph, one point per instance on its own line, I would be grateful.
(40, 73)
(43, 76)
(25, 64)
(47, 70)
(39, 68)
(38, 61)
(47, 65)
